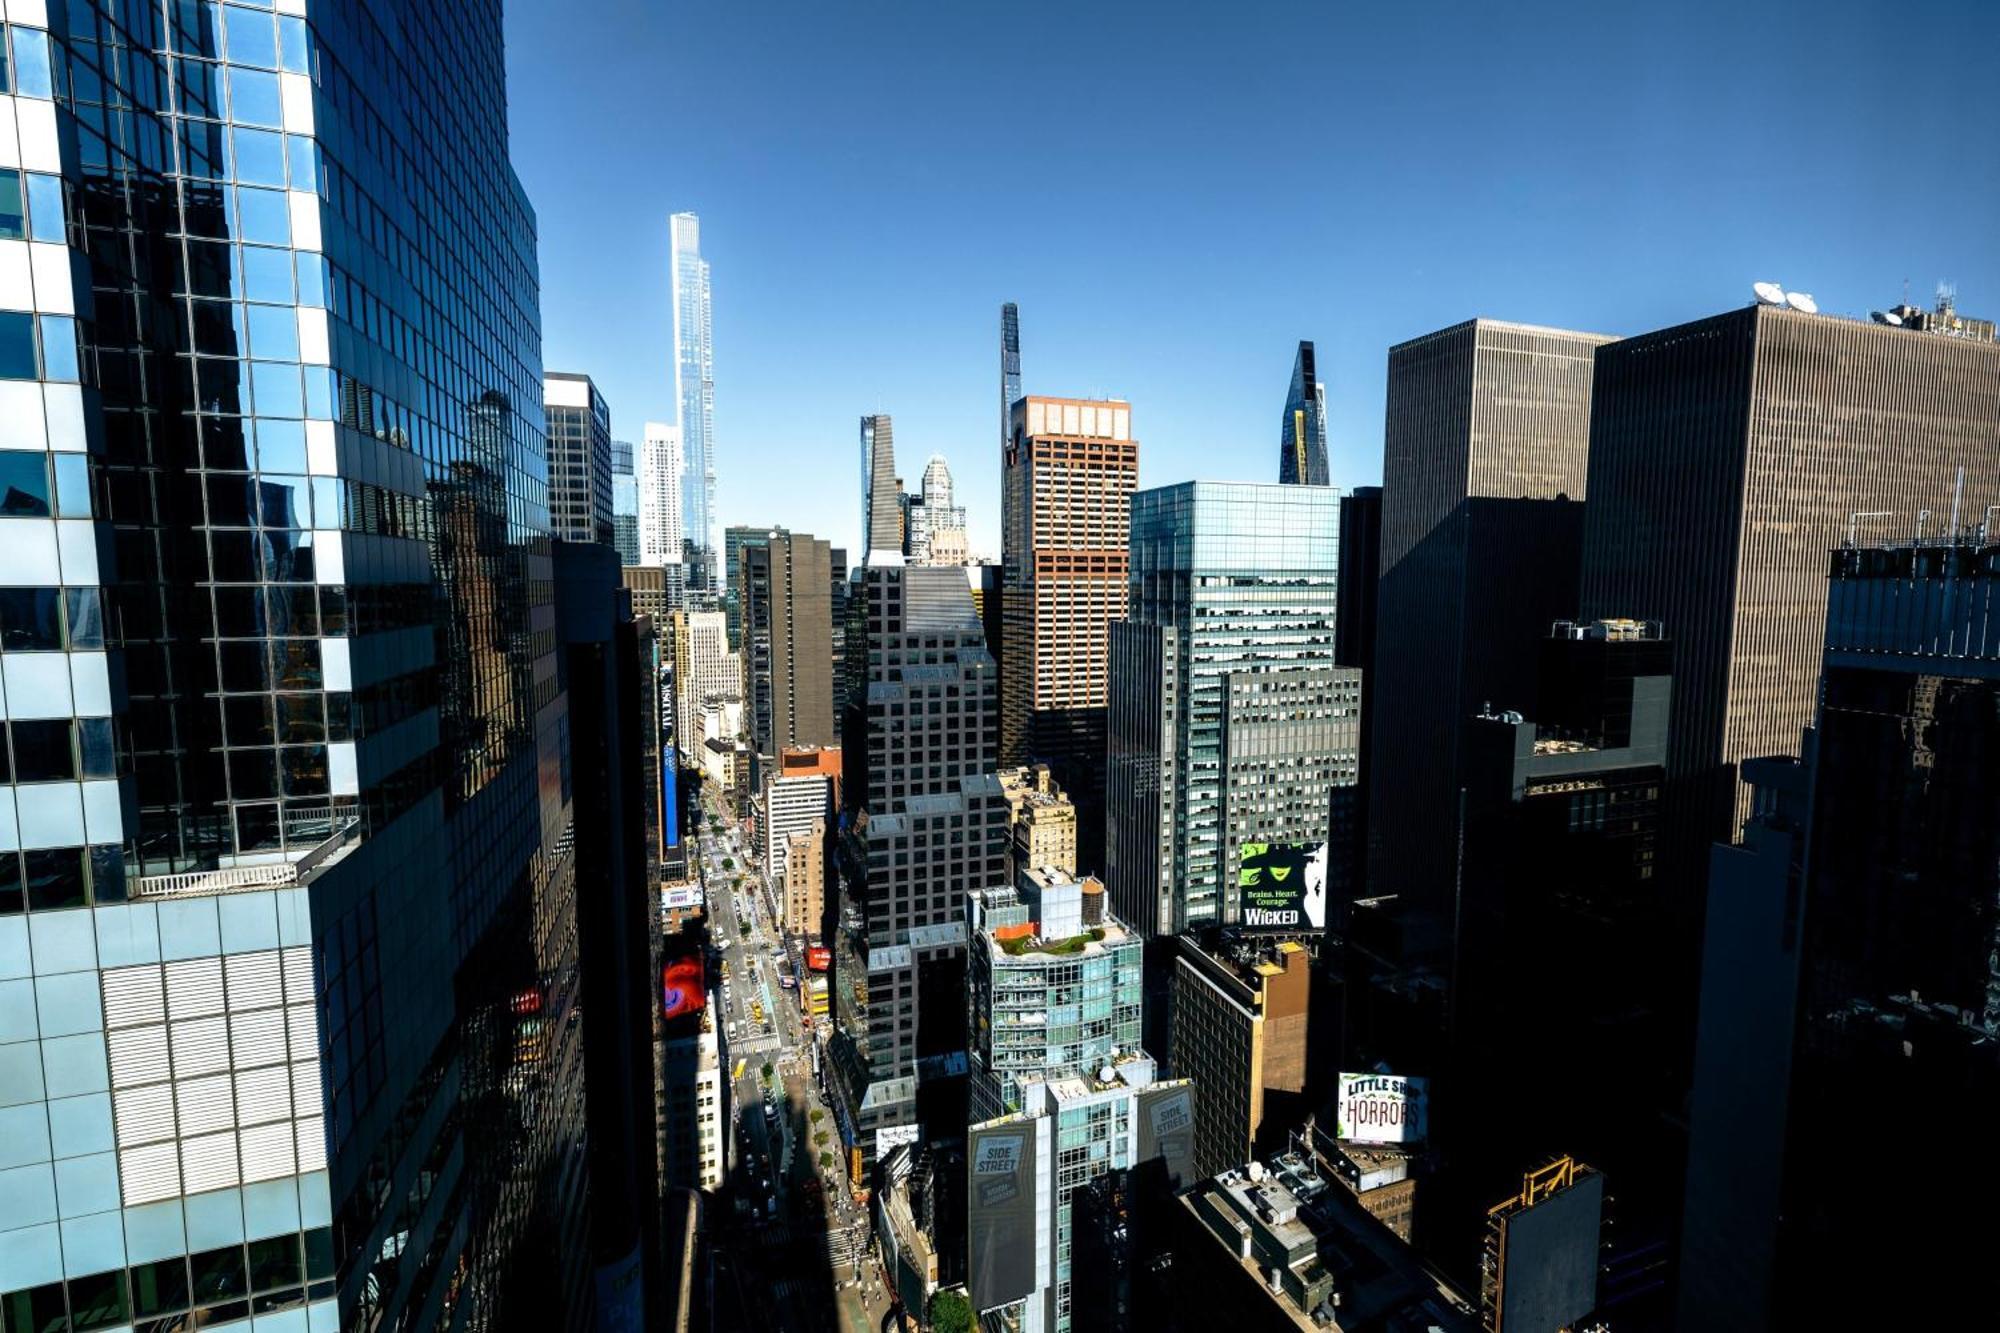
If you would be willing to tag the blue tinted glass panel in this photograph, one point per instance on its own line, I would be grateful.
(72, 485)
(86, 618)
(275, 388)
(59, 348)
(281, 446)
(267, 274)
(13, 213)
(263, 216)
(31, 63)
(319, 393)
(253, 98)
(305, 162)
(274, 332)
(17, 346)
(293, 51)
(260, 157)
(45, 207)
(312, 280)
(24, 484)
(253, 38)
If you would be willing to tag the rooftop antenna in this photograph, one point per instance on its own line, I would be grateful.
(1957, 493)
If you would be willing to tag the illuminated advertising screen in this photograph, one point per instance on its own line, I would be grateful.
(1381, 1108)
(682, 988)
(818, 958)
(1282, 885)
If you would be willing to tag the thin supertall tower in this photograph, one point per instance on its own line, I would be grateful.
(1010, 368)
(694, 389)
(1302, 441)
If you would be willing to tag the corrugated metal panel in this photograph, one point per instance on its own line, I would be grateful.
(263, 1095)
(304, 1024)
(133, 995)
(298, 975)
(312, 1144)
(209, 1163)
(268, 1152)
(138, 1055)
(150, 1174)
(144, 1115)
(253, 980)
(201, 1046)
(194, 988)
(258, 1038)
(205, 1104)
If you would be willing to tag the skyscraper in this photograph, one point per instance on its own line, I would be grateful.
(1069, 472)
(881, 493)
(1483, 463)
(926, 822)
(286, 811)
(579, 435)
(1302, 441)
(659, 484)
(1360, 585)
(1234, 734)
(1010, 369)
(694, 388)
(704, 671)
(937, 526)
(624, 503)
(1726, 457)
(783, 587)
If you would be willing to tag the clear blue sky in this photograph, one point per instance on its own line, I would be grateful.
(1175, 194)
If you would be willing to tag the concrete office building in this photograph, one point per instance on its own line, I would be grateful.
(1232, 731)
(785, 614)
(926, 823)
(1241, 1029)
(1069, 471)
(800, 791)
(936, 525)
(287, 886)
(695, 1116)
(579, 434)
(658, 478)
(1483, 472)
(1044, 821)
(1302, 438)
(1727, 456)
(803, 886)
(707, 678)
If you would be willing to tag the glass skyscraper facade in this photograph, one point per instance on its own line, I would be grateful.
(694, 381)
(579, 453)
(1302, 442)
(287, 940)
(1230, 722)
(624, 503)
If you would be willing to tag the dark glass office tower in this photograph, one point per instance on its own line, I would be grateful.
(925, 824)
(1483, 466)
(1302, 438)
(278, 638)
(1010, 368)
(1360, 582)
(1899, 1001)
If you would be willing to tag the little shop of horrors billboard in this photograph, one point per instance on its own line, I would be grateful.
(1381, 1108)
(1282, 885)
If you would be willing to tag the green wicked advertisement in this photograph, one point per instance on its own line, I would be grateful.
(1282, 885)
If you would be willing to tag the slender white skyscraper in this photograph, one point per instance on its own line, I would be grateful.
(694, 389)
(658, 469)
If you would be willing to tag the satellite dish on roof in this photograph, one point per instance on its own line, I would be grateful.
(1802, 303)
(1894, 321)
(1770, 293)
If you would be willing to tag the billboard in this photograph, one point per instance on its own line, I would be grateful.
(1282, 885)
(1166, 1129)
(1381, 1108)
(1548, 1257)
(681, 987)
(818, 958)
(1000, 1200)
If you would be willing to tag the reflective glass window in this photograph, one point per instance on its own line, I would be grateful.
(304, 155)
(59, 354)
(260, 156)
(199, 85)
(97, 1301)
(159, 1288)
(293, 51)
(13, 212)
(276, 389)
(284, 502)
(253, 98)
(267, 275)
(17, 346)
(32, 73)
(42, 750)
(30, 620)
(86, 617)
(312, 281)
(95, 755)
(45, 207)
(55, 879)
(281, 445)
(274, 333)
(263, 216)
(13, 898)
(252, 36)
(72, 485)
(24, 484)
(38, 1308)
